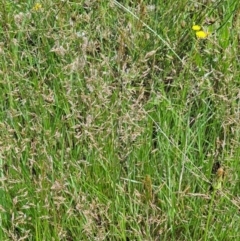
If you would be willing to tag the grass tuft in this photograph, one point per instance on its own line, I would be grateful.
(116, 119)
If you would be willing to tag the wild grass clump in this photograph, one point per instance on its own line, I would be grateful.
(119, 121)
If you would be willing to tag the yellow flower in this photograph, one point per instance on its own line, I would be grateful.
(196, 27)
(37, 7)
(202, 34)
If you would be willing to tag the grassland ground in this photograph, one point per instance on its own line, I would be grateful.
(119, 120)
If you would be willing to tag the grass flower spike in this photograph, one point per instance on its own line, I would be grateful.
(217, 182)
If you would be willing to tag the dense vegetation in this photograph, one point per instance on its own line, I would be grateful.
(119, 121)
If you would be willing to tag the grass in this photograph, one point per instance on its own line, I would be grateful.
(115, 119)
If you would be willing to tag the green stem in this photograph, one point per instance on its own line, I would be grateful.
(209, 215)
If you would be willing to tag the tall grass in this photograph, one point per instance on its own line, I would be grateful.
(115, 120)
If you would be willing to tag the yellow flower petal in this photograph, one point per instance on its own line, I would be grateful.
(202, 34)
(37, 7)
(196, 27)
